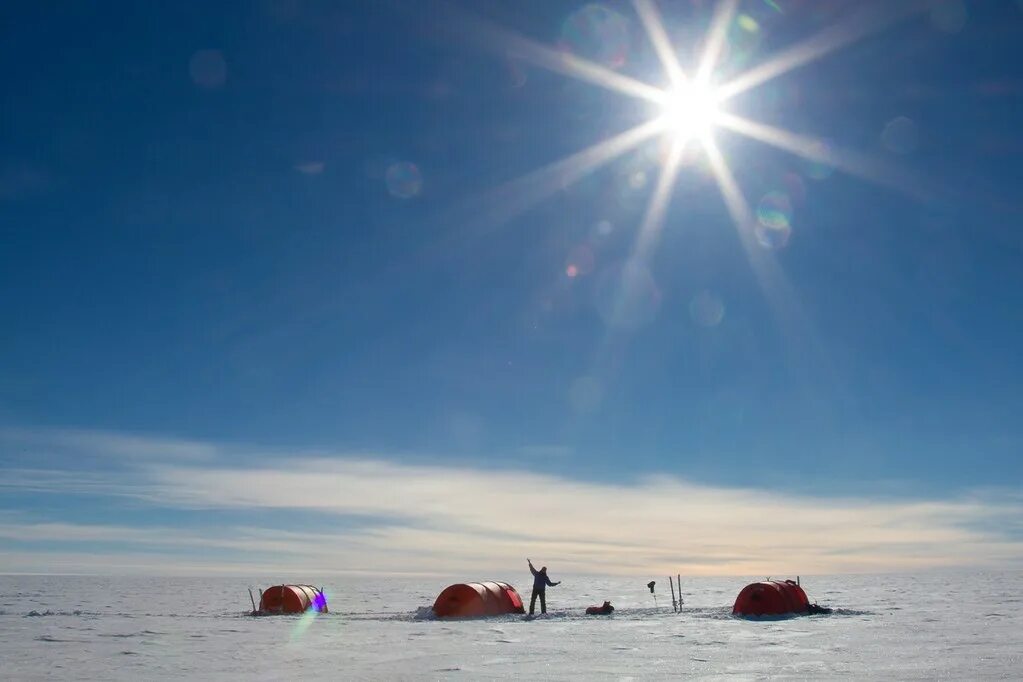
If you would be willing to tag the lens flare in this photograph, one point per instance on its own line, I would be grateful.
(304, 621)
(404, 180)
(597, 33)
(774, 218)
(900, 136)
(604, 227)
(707, 309)
(581, 261)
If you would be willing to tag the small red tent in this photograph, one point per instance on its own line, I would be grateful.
(771, 598)
(473, 600)
(292, 599)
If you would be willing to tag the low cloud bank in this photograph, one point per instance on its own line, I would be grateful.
(399, 517)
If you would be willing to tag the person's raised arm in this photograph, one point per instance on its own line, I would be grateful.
(531, 569)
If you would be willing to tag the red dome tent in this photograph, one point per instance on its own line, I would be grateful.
(771, 598)
(292, 599)
(473, 600)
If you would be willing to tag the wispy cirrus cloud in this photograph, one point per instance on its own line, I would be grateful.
(446, 518)
(108, 443)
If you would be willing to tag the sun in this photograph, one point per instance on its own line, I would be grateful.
(690, 111)
(688, 108)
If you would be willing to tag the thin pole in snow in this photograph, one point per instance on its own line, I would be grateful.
(251, 599)
(680, 593)
(674, 606)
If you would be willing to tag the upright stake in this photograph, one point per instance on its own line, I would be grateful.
(674, 606)
(680, 593)
(251, 599)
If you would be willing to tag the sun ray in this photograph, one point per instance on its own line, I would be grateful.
(716, 39)
(511, 198)
(871, 19)
(802, 339)
(653, 220)
(601, 363)
(736, 204)
(848, 161)
(651, 20)
(496, 39)
(770, 277)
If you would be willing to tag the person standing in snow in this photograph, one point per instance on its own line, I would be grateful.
(540, 582)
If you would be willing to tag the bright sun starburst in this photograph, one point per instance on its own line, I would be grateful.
(693, 107)
(690, 111)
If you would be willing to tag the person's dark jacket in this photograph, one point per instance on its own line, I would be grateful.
(540, 579)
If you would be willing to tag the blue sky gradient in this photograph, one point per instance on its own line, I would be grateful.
(257, 237)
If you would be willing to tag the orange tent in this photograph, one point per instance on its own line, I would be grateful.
(292, 599)
(469, 600)
(771, 598)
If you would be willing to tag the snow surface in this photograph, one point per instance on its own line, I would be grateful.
(950, 626)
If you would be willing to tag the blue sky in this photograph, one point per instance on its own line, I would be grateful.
(310, 250)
